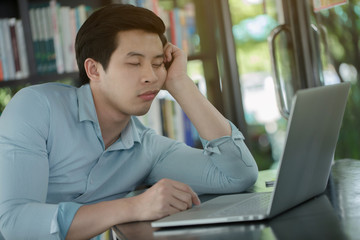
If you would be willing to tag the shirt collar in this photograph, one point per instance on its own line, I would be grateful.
(129, 136)
(87, 112)
(86, 104)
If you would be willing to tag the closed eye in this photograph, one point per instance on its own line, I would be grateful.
(134, 64)
(157, 65)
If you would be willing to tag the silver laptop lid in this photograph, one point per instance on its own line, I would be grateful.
(312, 134)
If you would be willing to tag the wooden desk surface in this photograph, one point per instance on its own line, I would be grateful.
(333, 215)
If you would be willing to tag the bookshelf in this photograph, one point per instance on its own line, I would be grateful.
(211, 47)
(20, 10)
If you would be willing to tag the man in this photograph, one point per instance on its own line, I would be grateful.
(69, 155)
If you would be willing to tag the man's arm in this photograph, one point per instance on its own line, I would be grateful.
(225, 165)
(164, 198)
(24, 169)
(207, 120)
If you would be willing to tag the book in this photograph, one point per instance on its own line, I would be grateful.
(49, 58)
(9, 63)
(59, 57)
(155, 6)
(164, 15)
(169, 116)
(24, 64)
(163, 118)
(172, 27)
(179, 122)
(42, 67)
(73, 31)
(193, 41)
(1, 65)
(1, 70)
(35, 38)
(3, 75)
(82, 12)
(66, 37)
(13, 55)
(14, 47)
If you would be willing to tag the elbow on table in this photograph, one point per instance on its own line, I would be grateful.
(253, 175)
(252, 172)
(246, 181)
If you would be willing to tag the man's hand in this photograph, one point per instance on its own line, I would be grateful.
(177, 71)
(166, 197)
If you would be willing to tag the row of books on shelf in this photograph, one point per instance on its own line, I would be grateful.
(13, 55)
(168, 119)
(53, 29)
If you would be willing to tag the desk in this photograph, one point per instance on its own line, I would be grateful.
(333, 215)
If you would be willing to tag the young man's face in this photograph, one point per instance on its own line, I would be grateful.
(135, 73)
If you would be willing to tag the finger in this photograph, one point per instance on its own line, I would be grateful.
(168, 49)
(186, 188)
(185, 197)
(196, 199)
(178, 204)
(172, 210)
(171, 51)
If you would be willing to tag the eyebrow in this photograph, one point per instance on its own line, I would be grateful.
(136, 54)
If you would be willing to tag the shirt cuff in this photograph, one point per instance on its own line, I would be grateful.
(65, 215)
(54, 227)
(211, 147)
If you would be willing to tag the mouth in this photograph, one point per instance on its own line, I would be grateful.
(149, 95)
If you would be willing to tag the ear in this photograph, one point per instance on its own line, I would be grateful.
(92, 69)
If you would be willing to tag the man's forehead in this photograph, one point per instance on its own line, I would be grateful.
(136, 43)
(134, 34)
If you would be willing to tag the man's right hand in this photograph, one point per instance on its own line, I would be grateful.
(164, 198)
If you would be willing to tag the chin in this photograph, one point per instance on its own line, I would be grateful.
(141, 112)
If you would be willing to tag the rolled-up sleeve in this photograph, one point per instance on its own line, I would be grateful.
(24, 173)
(224, 165)
(65, 215)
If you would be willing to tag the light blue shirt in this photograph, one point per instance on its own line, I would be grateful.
(53, 160)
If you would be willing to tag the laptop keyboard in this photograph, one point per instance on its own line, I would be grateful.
(258, 204)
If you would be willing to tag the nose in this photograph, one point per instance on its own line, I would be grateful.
(148, 74)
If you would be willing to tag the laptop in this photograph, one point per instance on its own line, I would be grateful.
(314, 219)
(304, 168)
